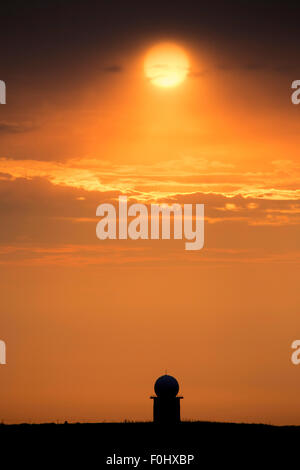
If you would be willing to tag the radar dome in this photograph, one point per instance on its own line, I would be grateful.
(166, 386)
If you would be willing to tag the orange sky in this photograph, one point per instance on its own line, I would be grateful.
(89, 324)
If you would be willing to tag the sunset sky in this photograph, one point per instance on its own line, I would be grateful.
(89, 324)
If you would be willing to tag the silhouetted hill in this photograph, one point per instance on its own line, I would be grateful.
(89, 445)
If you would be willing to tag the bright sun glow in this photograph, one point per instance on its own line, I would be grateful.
(166, 65)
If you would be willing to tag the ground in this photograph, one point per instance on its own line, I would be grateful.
(95, 445)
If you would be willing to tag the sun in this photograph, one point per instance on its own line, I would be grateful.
(166, 65)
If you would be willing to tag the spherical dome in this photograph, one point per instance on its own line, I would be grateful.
(166, 386)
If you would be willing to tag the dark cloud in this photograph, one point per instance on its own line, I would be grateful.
(249, 66)
(15, 128)
(5, 176)
(196, 74)
(113, 69)
(87, 27)
(53, 47)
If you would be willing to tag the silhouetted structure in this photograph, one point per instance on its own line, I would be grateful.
(166, 404)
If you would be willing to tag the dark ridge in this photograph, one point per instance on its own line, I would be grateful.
(91, 444)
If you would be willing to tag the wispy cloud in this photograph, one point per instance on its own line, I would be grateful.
(166, 179)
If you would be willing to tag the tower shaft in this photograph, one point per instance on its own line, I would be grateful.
(166, 409)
